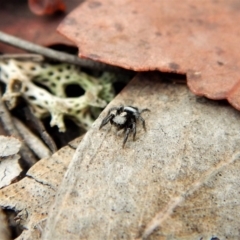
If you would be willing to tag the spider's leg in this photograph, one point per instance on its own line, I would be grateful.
(141, 119)
(143, 122)
(109, 116)
(113, 108)
(145, 110)
(106, 120)
(126, 136)
(134, 130)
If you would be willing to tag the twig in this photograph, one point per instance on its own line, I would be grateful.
(5, 118)
(40, 128)
(23, 56)
(33, 142)
(53, 54)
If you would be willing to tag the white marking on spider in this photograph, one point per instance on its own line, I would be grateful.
(120, 119)
(130, 109)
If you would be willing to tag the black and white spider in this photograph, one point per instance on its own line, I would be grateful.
(125, 118)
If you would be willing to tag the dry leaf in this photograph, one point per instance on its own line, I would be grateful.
(17, 19)
(198, 38)
(9, 166)
(46, 7)
(178, 180)
(4, 231)
(9, 146)
(32, 196)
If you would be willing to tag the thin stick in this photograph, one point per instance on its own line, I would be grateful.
(53, 54)
(38, 125)
(23, 56)
(32, 141)
(8, 125)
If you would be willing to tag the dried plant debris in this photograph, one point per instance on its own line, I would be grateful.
(31, 198)
(4, 231)
(32, 141)
(46, 7)
(9, 166)
(9, 146)
(26, 25)
(22, 79)
(196, 38)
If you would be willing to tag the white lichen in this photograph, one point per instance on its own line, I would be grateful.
(22, 79)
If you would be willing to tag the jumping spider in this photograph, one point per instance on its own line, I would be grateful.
(124, 118)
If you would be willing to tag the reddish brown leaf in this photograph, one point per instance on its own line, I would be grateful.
(199, 38)
(17, 19)
(46, 7)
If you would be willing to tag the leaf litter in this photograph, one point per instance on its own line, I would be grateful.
(199, 39)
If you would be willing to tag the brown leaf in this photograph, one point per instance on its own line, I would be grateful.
(16, 19)
(179, 180)
(4, 231)
(198, 38)
(46, 7)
